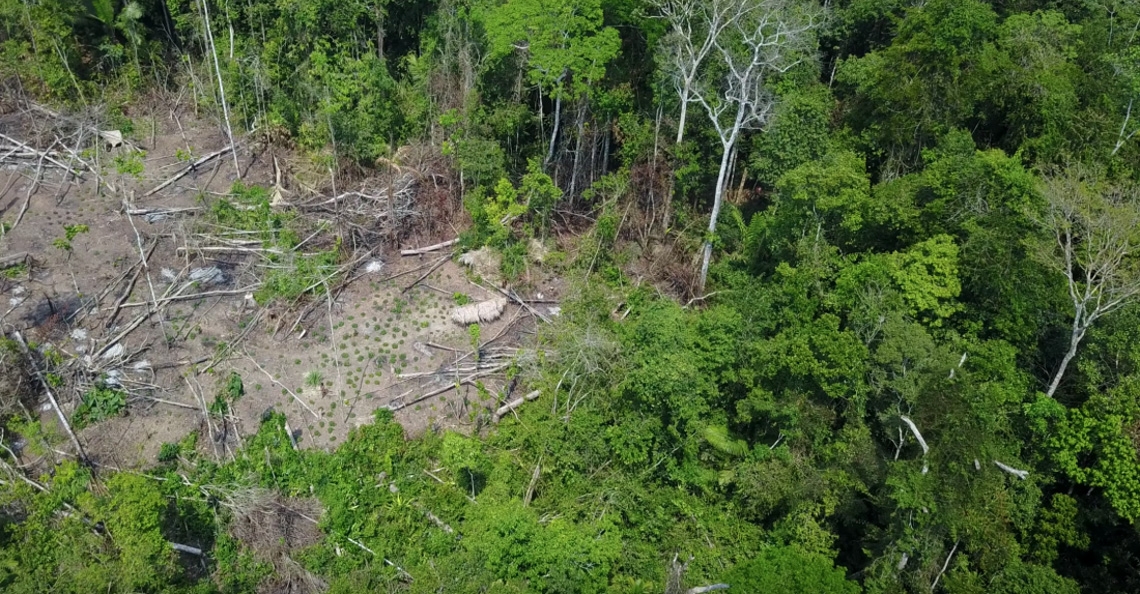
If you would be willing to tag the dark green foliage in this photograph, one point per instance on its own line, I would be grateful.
(799, 133)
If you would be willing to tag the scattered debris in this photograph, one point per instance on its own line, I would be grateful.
(374, 266)
(114, 352)
(207, 276)
(113, 378)
(537, 250)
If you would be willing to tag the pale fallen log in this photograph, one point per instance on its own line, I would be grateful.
(430, 248)
(186, 549)
(484, 311)
(438, 522)
(221, 293)
(1021, 474)
(289, 432)
(154, 215)
(397, 404)
(189, 168)
(42, 154)
(14, 260)
(533, 483)
(512, 405)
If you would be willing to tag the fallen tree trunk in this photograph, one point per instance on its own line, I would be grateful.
(430, 248)
(512, 405)
(189, 168)
(51, 397)
(186, 549)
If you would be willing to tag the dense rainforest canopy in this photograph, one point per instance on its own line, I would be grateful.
(902, 350)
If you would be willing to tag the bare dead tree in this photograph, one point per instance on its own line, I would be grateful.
(767, 38)
(1094, 235)
(694, 27)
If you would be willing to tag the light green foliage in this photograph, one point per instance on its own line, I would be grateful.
(492, 214)
(41, 46)
(927, 276)
(479, 160)
(230, 391)
(788, 570)
(506, 219)
(314, 379)
(1095, 445)
(16, 271)
(70, 232)
(890, 257)
(133, 515)
(558, 556)
(539, 193)
(58, 550)
(129, 163)
(99, 403)
(464, 456)
(473, 333)
(1057, 526)
(831, 195)
(247, 209)
(567, 47)
(1039, 96)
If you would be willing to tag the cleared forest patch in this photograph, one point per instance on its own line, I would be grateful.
(165, 296)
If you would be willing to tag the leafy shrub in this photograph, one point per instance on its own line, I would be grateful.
(130, 163)
(99, 403)
(229, 393)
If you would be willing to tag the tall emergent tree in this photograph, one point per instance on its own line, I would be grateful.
(564, 44)
(1094, 228)
(764, 38)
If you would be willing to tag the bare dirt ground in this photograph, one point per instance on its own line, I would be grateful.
(371, 343)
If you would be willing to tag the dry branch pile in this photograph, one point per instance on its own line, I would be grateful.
(274, 528)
